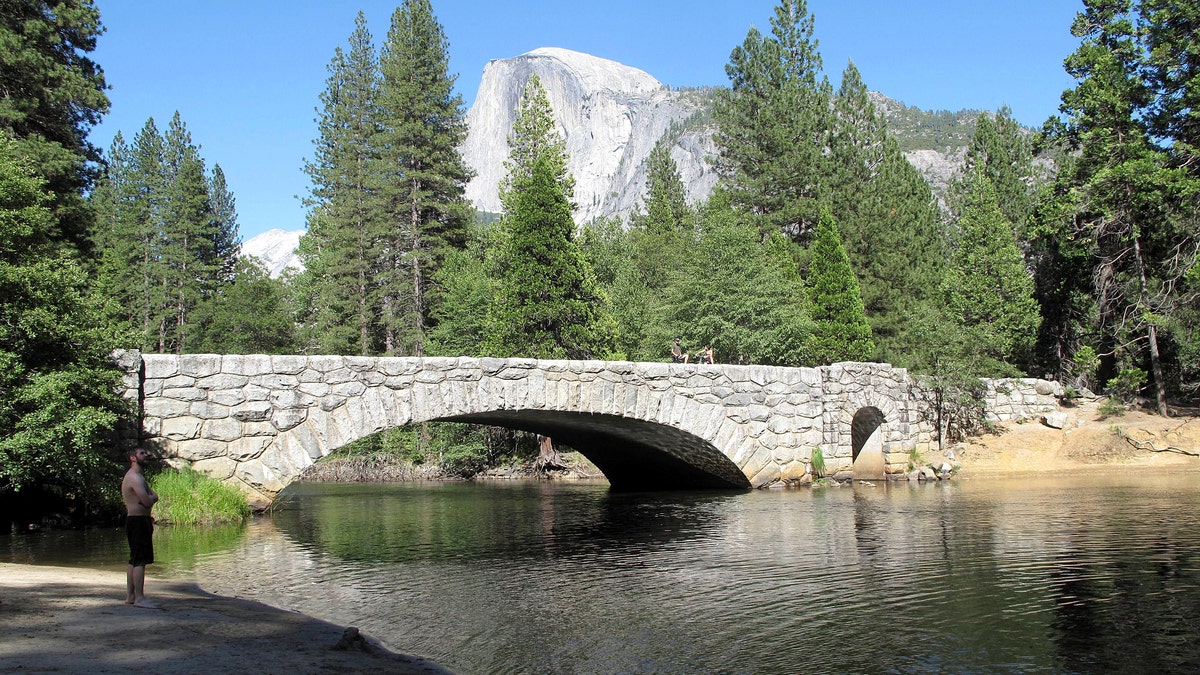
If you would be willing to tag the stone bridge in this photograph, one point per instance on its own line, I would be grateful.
(258, 421)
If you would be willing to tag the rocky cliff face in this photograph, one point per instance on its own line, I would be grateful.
(610, 116)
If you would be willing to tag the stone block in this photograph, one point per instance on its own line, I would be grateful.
(338, 376)
(185, 394)
(165, 407)
(348, 389)
(254, 392)
(219, 468)
(197, 449)
(207, 410)
(226, 397)
(326, 364)
(246, 364)
(228, 429)
(286, 419)
(288, 364)
(222, 381)
(160, 366)
(275, 381)
(199, 365)
(289, 399)
(252, 411)
(245, 449)
(181, 428)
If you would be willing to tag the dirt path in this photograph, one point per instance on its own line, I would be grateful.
(59, 619)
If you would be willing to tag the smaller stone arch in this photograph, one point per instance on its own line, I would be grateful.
(866, 438)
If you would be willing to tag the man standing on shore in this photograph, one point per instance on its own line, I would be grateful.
(139, 527)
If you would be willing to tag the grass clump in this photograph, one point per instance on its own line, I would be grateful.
(187, 497)
(818, 463)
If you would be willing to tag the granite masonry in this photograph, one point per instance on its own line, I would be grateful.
(258, 421)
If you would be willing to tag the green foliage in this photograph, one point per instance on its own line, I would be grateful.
(987, 288)
(738, 293)
(58, 406)
(535, 135)
(187, 497)
(53, 95)
(817, 461)
(1126, 386)
(547, 303)
(773, 124)
(842, 332)
(249, 315)
(167, 235)
(1084, 363)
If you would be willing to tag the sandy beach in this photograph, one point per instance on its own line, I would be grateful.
(65, 619)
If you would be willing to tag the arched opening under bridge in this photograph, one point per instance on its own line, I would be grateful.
(866, 435)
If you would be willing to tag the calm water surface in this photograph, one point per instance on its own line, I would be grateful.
(1096, 574)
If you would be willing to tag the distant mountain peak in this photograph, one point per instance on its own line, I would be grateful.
(276, 249)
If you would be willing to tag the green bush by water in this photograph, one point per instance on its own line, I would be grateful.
(187, 497)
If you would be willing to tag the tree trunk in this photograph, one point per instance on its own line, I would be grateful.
(548, 457)
(1160, 386)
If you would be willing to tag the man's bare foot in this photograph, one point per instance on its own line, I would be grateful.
(129, 601)
(145, 604)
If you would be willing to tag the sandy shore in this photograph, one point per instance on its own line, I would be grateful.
(60, 619)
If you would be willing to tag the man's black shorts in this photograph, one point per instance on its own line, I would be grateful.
(140, 530)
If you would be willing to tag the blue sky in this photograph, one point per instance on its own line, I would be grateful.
(246, 74)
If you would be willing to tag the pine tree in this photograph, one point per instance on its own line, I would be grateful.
(422, 175)
(773, 124)
(547, 303)
(534, 134)
(886, 215)
(666, 209)
(225, 245)
(1004, 153)
(987, 289)
(53, 95)
(1120, 191)
(842, 332)
(186, 252)
(339, 249)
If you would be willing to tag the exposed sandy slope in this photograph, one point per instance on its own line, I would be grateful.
(1089, 442)
(59, 619)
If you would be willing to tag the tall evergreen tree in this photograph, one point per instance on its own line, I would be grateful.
(535, 134)
(1120, 191)
(547, 304)
(338, 250)
(886, 215)
(773, 124)
(53, 95)
(842, 332)
(987, 288)
(666, 208)
(1004, 153)
(423, 176)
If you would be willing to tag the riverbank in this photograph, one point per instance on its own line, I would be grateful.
(1088, 441)
(75, 620)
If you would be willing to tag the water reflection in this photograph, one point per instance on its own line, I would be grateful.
(1065, 575)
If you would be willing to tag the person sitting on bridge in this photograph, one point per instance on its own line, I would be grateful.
(677, 353)
(706, 356)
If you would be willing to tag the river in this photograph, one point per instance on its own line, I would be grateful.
(1072, 574)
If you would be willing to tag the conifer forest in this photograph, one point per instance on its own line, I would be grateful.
(1067, 252)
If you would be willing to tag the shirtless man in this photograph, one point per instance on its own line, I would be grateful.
(138, 527)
